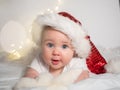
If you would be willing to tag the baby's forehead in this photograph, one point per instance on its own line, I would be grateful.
(50, 28)
(53, 35)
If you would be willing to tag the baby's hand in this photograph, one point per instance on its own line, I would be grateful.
(84, 75)
(31, 73)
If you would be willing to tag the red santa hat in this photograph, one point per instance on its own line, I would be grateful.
(69, 25)
(66, 24)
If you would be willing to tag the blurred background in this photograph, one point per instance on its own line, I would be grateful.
(100, 18)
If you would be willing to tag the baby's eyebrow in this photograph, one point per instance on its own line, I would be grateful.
(66, 42)
(47, 40)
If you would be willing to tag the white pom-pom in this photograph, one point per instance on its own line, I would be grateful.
(113, 66)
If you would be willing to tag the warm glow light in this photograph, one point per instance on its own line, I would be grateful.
(15, 40)
(48, 9)
(58, 5)
(20, 47)
(56, 9)
(14, 55)
(12, 45)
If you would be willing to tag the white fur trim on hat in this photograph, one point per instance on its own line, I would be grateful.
(113, 66)
(63, 24)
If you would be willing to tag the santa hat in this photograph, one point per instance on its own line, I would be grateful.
(66, 24)
(69, 25)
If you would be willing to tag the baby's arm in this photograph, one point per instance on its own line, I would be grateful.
(31, 73)
(84, 75)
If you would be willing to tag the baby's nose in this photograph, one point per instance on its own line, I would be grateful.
(56, 51)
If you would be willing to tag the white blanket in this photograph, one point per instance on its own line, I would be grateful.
(11, 72)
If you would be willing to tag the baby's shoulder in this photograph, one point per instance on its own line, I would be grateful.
(77, 62)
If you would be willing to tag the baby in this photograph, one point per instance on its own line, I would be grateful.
(65, 53)
(63, 47)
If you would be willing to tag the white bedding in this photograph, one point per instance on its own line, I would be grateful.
(11, 72)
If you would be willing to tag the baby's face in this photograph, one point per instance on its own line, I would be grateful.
(57, 50)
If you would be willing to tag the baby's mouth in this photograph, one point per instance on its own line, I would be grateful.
(55, 62)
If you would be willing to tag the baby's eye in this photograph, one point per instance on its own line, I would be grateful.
(50, 45)
(64, 46)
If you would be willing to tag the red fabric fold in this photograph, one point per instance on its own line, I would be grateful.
(95, 61)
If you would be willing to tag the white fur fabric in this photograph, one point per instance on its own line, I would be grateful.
(112, 56)
(46, 79)
(113, 66)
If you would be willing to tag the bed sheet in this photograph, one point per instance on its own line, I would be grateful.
(11, 72)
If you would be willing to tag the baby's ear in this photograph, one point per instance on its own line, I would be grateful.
(95, 61)
(75, 54)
